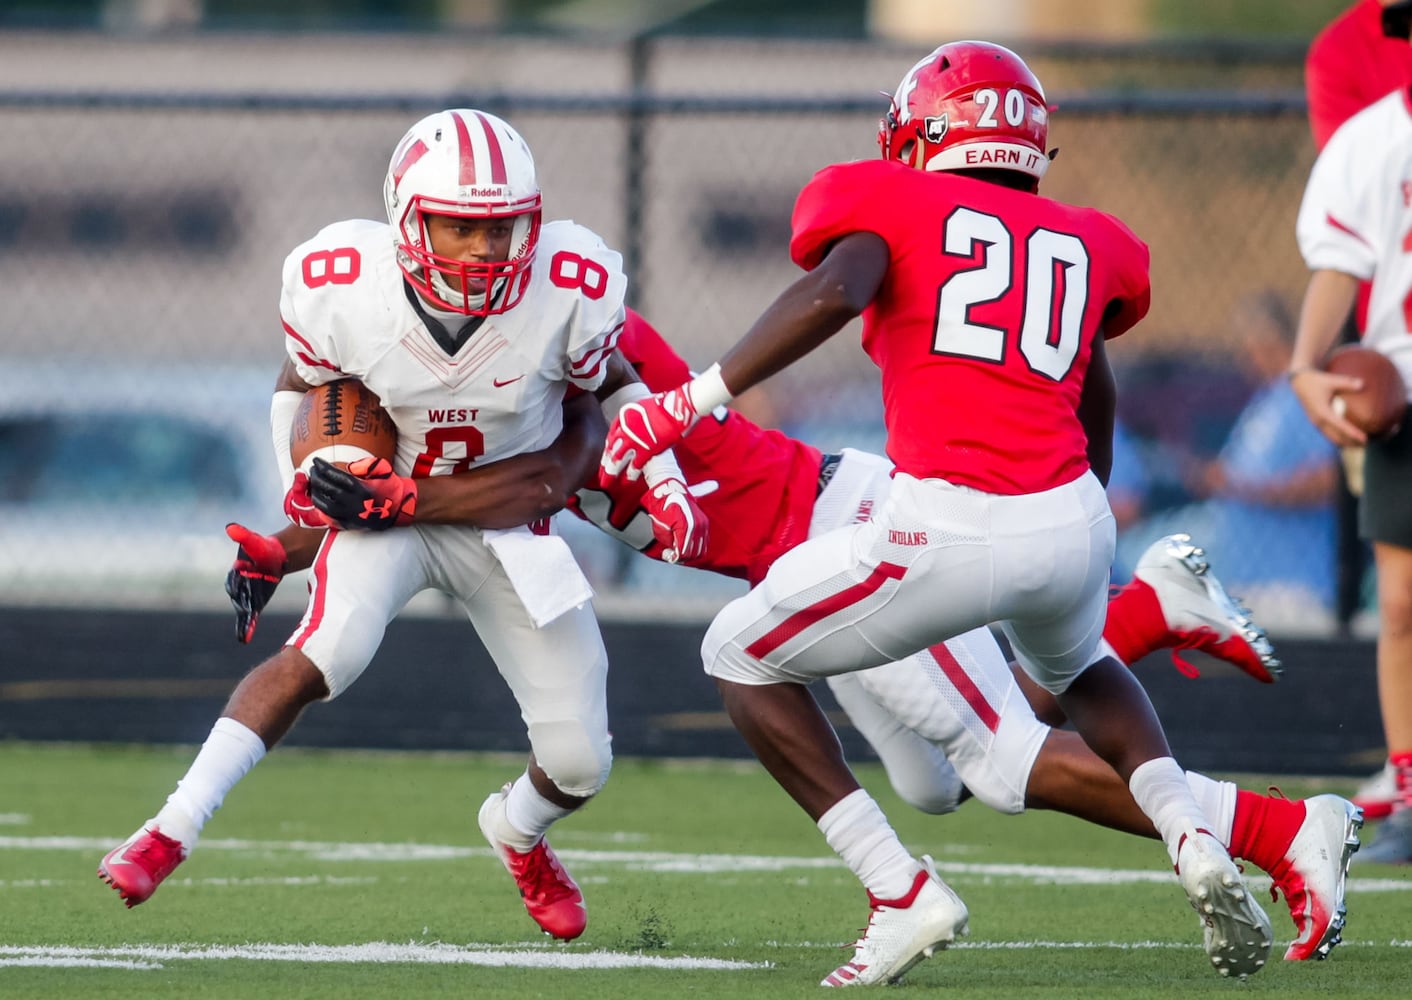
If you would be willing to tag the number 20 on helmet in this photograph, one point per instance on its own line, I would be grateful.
(473, 165)
(968, 106)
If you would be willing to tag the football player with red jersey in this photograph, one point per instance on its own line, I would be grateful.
(986, 306)
(943, 731)
(471, 320)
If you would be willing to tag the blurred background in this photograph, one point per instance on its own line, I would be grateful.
(162, 156)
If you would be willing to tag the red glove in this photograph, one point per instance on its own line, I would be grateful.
(369, 495)
(644, 429)
(299, 507)
(677, 522)
(259, 567)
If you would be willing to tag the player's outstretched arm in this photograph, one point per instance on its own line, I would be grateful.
(678, 523)
(806, 314)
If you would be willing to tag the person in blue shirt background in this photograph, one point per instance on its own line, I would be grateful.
(1265, 505)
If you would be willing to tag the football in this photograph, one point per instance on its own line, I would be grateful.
(340, 422)
(1378, 408)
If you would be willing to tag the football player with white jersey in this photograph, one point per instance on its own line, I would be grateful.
(470, 320)
(986, 307)
(1353, 227)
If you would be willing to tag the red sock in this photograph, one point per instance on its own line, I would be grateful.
(1264, 827)
(1402, 764)
(1136, 625)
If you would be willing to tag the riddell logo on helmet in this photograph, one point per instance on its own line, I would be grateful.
(482, 192)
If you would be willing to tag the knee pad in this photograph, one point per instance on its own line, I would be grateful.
(940, 793)
(576, 759)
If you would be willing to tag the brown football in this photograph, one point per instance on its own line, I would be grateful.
(1378, 408)
(339, 422)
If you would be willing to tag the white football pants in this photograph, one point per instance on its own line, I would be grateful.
(870, 583)
(558, 673)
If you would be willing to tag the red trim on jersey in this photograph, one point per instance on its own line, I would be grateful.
(318, 585)
(497, 158)
(307, 355)
(803, 618)
(962, 682)
(414, 153)
(1341, 227)
(587, 365)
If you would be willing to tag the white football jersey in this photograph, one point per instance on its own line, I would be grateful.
(346, 313)
(1357, 218)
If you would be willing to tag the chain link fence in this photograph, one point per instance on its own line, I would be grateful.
(142, 232)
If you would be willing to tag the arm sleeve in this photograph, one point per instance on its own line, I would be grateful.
(313, 353)
(599, 311)
(838, 200)
(283, 406)
(1132, 295)
(1332, 227)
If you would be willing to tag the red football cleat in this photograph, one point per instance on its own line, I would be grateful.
(139, 864)
(549, 893)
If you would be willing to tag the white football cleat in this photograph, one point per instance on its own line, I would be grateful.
(1237, 933)
(1313, 872)
(902, 932)
(1200, 614)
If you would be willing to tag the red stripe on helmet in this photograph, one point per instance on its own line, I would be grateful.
(497, 158)
(468, 153)
(414, 153)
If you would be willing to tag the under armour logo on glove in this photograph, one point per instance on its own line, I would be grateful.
(677, 522)
(644, 429)
(368, 495)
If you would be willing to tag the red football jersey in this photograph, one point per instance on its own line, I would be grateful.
(984, 324)
(1350, 65)
(766, 481)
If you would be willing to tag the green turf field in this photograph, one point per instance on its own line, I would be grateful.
(342, 874)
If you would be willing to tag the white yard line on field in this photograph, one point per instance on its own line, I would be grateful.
(662, 861)
(378, 952)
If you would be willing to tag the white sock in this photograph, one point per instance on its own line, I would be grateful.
(227, 756)
(860, 834)
(1217, 800)
(1162, 792)
(529, 814)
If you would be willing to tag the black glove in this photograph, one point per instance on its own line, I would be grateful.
(259, 567)
(369, 495)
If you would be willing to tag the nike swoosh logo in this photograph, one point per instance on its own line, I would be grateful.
(509, 381)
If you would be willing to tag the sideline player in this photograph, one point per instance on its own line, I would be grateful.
(1352, 228)
(986, 307)
(470, 321)
(958, 702)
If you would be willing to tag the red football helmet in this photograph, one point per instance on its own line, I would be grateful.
(966, 106)
(466, 163)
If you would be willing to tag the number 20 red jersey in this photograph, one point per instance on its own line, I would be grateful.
(984, 324)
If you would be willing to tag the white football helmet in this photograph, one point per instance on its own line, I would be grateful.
(466, 163)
